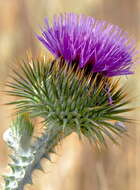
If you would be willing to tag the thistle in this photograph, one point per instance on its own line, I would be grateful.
(74, 92)
(87, 42)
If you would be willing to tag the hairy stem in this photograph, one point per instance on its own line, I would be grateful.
(25, 161)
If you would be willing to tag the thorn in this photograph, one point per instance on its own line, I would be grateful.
(11, 166)
(8, 178)
(13, 158)
(30, 181)
(39, 167)
(52, 151)
(47, 156)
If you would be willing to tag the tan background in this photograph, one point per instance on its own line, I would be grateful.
(77, 166)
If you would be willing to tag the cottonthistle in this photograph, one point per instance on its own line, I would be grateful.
(74, 92)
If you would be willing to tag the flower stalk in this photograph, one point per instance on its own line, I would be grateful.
(25, 160)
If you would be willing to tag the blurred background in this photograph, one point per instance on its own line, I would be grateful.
(76, 166)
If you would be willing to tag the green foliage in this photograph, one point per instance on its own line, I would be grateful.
(68, 99)
(18, 137)
(26, 156)
(22, 130)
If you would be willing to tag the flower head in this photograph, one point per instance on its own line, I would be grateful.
(87, 42)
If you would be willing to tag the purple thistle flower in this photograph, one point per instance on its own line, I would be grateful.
(87, 42)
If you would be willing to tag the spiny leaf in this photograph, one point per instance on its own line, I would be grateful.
(22, 129)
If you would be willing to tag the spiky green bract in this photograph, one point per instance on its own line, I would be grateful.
(25, 160)
(68, 99)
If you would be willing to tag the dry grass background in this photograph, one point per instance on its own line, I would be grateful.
(77, 166)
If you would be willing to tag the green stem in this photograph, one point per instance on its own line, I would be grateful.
(25, 161)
